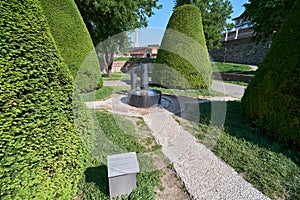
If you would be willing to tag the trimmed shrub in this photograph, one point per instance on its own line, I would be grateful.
(41, 155)
(73, 41)
(272, 99)
(75, 45)
(183, 60)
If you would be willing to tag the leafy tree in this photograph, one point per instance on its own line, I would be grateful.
(183, 61)
(107, 48)
(106, 18)
(214, 15)
(267, 16)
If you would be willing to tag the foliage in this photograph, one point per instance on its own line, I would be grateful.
(70, 34)
(267, 16)
(73, 41)
(41, 155)
(272, 99)
(182, 61)
(269, 166)
(214, 18)
(108, 18)
(107, 48)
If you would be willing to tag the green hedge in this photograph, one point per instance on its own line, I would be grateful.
(272, 99)
(183, 60)
(76, 47)
(41, 155)
(73, 41)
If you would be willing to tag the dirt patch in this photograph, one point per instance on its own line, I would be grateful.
(172, 187)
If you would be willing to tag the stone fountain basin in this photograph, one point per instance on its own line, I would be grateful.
(144, 98)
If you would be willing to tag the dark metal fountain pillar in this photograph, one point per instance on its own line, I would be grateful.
(133, 80)
(144, 77)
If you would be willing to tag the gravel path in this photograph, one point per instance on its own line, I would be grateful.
(204, 175)
(229, 89)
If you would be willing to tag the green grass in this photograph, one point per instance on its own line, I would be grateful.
(271, 167)
(229, 67)
(116, 76)
(123, 133)
(101, 94)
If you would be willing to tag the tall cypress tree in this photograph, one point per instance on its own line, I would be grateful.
(73, 41)
(40, 151)
(215, 14)
(272, 100)
(182, 60)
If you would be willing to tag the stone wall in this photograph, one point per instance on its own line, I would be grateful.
(117, 65)
(241, 50)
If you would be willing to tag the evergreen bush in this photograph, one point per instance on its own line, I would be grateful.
(75, 46)
(41, 155)
(272, 100)
(73, 41)
(183, 60)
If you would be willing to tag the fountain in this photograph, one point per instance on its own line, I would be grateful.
(143, 97)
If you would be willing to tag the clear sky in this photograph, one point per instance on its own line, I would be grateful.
(158, 22)
(162, 16)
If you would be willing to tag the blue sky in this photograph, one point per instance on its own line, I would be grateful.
(158, 22)
(162, 16)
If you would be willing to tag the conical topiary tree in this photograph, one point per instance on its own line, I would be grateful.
(183, 60)
(41, 154)
(75, 45)
(272, 100)
(73, 42)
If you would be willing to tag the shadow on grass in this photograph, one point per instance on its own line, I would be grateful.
(238, 126)
(98, 176)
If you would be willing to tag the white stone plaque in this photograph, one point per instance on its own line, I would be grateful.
(122, 169)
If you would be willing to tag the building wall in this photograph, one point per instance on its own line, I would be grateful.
(241, 50)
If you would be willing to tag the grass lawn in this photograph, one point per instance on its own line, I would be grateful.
(104, 93)
(94, 183)
(116, 76)
(272, 168)
(230, 67)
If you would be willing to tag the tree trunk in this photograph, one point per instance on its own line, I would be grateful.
(109, 69)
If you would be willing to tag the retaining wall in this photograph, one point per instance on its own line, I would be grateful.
(241, 50)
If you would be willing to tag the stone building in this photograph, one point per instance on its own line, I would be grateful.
(144, 52)
(237, 46)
